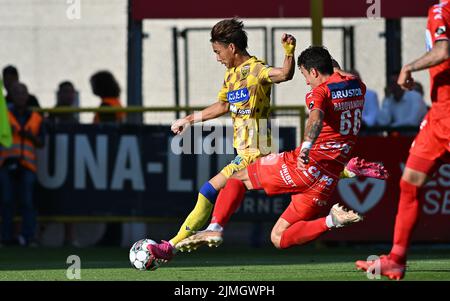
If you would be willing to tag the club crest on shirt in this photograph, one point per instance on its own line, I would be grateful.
(245, 71)
(440, 30)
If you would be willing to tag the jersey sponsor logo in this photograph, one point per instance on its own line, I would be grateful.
(313, 173)
(339, 94)
(286, 176)
(241, 112)
(345, 89)
(328, 181)
(238, 95)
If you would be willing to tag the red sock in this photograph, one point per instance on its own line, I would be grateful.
(407, 216)
(302, 232)
(228, 201)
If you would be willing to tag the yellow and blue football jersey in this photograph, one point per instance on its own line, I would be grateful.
(247, 89)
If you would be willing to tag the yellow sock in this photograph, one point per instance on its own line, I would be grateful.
(346, 174)
(195, 220)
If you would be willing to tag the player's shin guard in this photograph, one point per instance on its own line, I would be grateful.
(303, 232)
(228, 201)
(406, 219)
(199, 215)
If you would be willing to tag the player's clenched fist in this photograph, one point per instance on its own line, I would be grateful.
(179, 126)
(303, 159)
(288, 41)
(405, 79)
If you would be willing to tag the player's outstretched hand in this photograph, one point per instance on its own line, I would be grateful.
(179, 126)
(405, 79)
(303, 159)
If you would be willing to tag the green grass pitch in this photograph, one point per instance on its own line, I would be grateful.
(223, 263)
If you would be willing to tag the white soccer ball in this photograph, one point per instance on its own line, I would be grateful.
(140, 257)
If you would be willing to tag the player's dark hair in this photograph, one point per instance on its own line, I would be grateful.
(316, 57)
(104, 84)
(11, 70)
(230, 31)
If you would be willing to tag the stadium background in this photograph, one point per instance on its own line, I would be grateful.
(48, 47)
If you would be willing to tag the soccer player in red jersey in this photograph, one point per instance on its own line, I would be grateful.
(246, 94)
(310, 172)
(432, 144)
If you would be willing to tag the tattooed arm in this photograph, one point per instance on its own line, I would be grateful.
(313, 129)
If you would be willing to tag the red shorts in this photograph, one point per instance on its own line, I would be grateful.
(301, 209)
(431, 146)
(278, 174)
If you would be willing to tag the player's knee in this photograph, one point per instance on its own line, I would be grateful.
(414, 177)
(242, 176)
(275, 237)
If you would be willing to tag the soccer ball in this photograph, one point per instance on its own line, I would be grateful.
(140, 257)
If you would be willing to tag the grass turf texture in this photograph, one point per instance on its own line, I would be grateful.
(230, 264)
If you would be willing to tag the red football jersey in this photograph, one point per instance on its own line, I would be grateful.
(341, 99)
(438, 29)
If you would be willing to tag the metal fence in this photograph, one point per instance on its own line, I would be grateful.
(194, 74)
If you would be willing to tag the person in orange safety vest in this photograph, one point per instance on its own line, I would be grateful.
(18, 167)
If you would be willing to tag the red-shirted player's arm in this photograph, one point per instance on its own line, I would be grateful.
(438, 54)
(439, 27)
(312, 131)
(313, 126)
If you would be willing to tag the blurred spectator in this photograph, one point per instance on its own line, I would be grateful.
(105, 86)
(401, 108)
(11, 76)
(418, 88)
(371, 105)
(18, 167)
(66, 96)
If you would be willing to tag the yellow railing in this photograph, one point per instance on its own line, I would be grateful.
(136, 109)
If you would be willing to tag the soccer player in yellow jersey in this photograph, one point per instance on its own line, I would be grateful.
(246, 94)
